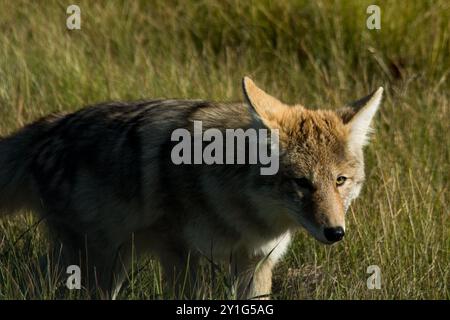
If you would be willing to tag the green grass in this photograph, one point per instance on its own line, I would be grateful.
(319, 53)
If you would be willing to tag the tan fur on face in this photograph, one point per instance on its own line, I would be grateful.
(315, 128)
(315, 145)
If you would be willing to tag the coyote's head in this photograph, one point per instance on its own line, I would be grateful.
(321, 158)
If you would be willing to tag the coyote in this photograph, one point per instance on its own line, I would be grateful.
(103, 180)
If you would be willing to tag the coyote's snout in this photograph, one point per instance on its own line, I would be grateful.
(104, 180)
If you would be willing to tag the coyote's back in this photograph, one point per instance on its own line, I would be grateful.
(101, 156)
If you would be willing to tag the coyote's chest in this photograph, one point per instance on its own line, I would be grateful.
(218, 247)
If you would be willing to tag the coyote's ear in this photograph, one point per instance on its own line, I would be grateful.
(359, 115)
(265, 107)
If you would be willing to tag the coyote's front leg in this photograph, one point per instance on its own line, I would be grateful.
(254, 277)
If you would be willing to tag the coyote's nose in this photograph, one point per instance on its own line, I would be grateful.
(334, 234)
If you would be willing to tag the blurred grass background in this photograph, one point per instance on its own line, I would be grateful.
(318, 53)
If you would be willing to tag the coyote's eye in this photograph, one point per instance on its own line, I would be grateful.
(304, 183)
(340, 180)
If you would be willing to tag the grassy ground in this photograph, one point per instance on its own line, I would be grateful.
(319, 53)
